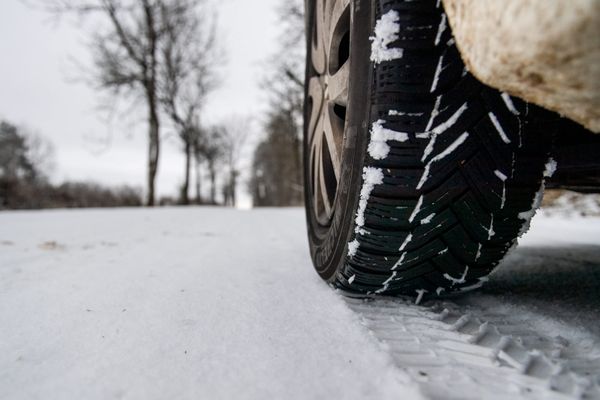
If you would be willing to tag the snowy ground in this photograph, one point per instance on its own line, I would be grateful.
(217, 304)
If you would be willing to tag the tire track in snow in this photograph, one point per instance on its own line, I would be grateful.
(453, 353)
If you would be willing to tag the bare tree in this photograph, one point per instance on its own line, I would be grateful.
(187, 75)
(129, 53)
(234, 135)
(277, 166)
(210, 148)
(275, 180)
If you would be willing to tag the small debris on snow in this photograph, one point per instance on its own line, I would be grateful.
(420, 294)
(51, 245)
(386, 32)
(499, 128)
(427, 219)
(378, 147)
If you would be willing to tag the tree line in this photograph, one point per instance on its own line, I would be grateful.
(161, 54)
(163, 57)
(277, 176)
(25, 162)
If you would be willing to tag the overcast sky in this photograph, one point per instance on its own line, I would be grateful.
(36, 90)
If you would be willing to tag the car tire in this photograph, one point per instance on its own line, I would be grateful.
(418, 178)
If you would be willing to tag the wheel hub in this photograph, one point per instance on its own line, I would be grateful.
(328, 94)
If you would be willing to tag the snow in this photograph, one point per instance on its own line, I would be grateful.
(527, 216)
(441, 128)
(416, 210)
(509, 103)
(214, 303)
(462, 279)
(186, 303)
(550, 169)
(399, 262)
(427, 219)
(499, 128)
(434, 113)
(386, 32)
(441, 29)
(402, 113)
(378, 147)
(490, 229)
(459, 141)
(406, 241)
(353, 248)
(371, 177)
(436, 76)
(420, 294)
(500, 175)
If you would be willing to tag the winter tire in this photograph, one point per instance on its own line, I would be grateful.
(418, 178)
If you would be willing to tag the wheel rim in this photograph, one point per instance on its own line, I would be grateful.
(328, 99)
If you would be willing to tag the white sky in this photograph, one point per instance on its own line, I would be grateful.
(36, 91)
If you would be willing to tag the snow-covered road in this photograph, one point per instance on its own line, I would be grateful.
(209, 303)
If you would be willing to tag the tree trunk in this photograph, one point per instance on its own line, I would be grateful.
(153, 148)
(198, 181)
(150, 88)
(185, 199)
(233, 187)
(213, 184)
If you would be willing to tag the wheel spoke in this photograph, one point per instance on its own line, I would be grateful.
(318, 55)
(338, 85)
(315, 180)
(335, 12)
(323, 191)
(316, 160)
(328, 93)
(334, 135)
(315, 91)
